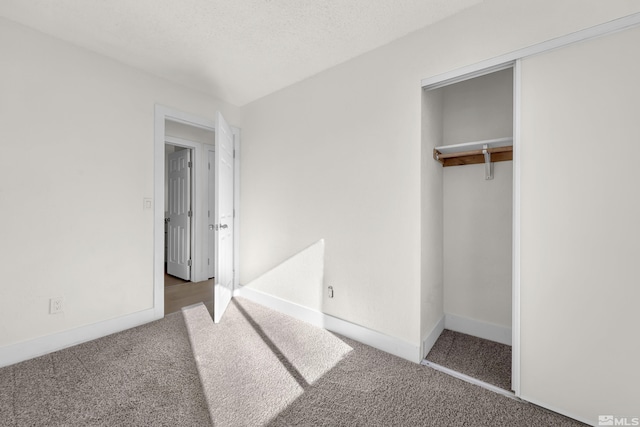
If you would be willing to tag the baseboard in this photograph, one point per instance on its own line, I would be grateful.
(18, 352)
(432, 337)
(488, 331)
(356, 332)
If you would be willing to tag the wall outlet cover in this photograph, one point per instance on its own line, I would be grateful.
(56, 305)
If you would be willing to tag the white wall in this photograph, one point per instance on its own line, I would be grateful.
(296, 276)
(317, 165)
(580, 233)
(191, 133)
(338, 156)
(77, 135)
(478, 109)
(477, 243)
(478, 212)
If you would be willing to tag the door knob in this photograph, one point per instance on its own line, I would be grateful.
(224, 226)
(210, 226)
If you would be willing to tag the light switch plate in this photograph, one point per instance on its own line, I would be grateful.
(147, 203)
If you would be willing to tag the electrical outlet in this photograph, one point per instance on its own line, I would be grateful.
(330, 291)
(56, 305)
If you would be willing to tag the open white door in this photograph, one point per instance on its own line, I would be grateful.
(179, 226)
(211, 211)
(224, 164)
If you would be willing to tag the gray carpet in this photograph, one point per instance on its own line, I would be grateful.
(260, 367)
(145, 376)
(479, 358)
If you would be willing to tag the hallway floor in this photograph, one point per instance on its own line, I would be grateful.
(180, 293)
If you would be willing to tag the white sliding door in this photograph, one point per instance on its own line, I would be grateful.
(580, 238)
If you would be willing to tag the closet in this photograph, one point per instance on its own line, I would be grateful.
(471, 128)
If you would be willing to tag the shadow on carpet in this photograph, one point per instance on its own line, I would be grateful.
(260, 367)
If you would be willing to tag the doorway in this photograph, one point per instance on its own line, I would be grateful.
(179, 290)
(471, 131)
(194, 141)
(178, 212)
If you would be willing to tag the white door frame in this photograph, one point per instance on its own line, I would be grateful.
(161, 115)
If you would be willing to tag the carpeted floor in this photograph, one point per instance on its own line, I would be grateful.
(145, 376)
(257, 367)
(485, 360)
(260, 367)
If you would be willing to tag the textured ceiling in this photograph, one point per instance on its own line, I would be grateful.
(236, 50)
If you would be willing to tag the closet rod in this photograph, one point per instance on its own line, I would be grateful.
(468, 153)
(473, 152)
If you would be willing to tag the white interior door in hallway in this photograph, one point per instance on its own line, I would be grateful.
(179, 225)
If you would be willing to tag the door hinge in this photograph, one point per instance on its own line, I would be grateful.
(189, 164)
(209, 165)
(208, 261)
(234, 213)
(234, 154)
(189, 214)
(189, 263)
(208, 214)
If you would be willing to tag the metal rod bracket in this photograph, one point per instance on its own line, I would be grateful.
(488, 166)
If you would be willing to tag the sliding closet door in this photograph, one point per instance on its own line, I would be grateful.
(580, 232)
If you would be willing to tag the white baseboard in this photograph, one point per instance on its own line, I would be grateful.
(432, 337)
(359, 333)
(488, 331)
(18, 352)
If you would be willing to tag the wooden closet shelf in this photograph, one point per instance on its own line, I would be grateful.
(469, 153)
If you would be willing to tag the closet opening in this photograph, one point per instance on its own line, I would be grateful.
(469, 126)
